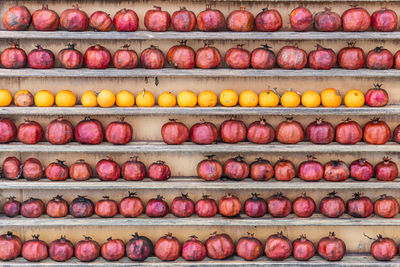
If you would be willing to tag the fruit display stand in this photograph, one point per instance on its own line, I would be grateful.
(183, 159)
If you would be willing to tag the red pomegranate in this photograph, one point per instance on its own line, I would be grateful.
(238, 58)
(126, 20)
(263, 58)
(336, 171)
(301, 19)
(100, 21)
(57, 207)
(289, 132)
(384, 20)
(397, 60)
(208, 57)
(361, 170)
(261, 170)
(61, 249)
(139, 248)
(87, 250)
(157, 207)
(183, 20)
(74, 20)
(268, 20)
(8, 130)
(11, 246)
(386, 206)
(311, 170)
(351, 57)
(209, 169)
(284, 170)
(240, 20)
(57, 171)
(40, 58)
(356, 19)
(229, 206)
(379, 59)
(159, 171)
(396, 134)
(119, 132)
(332, 206)
(292, 57)
(97, 57)
(303, 206)
(113, 249)
(206, 207)
(167, 248)
(320, 132)
(278, 205)
(35, 249)
(249, 248)
(182, 206)
(152, 58)
(131, 206)
(359, 206)
(386, 170)
(45, 19)
(70, 58)
(210, 20)
(181, 56)
(81, 207)
(32, 169)
(89, 131)
(13, 57)
(193, 249)
(156, 20)
(278, 247)
(203, 133)
(383, 248)
(236, 168)
(59, 132)
(125, 58)
(255, 206)
(322, 58)
(106, 207)
(377, 96)
(11, 208)
(30, 132)
(219, 246)
(331, 248)
(232, 131)
(108, 170)
(327, 21)
(260, 132)
(16, 18)
(376, 132)
(348, 132)
(32, 208)
(11, 168)
(303, 249)
(133, 170)
(80, 170)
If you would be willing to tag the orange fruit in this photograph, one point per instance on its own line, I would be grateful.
(207, 99)
(106, 98)
(187, 99)
(268, 98)
(145, 99)
(248, 98)
(167, 99)
(125, 99)
(290, 99)
(354, 98)
(5, 98)
(23, 98)
(89, 99)
(331, 98)
(44, 98)
(65, 98)
(228, 98)
(311, 99)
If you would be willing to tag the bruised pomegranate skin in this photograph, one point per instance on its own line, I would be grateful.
(327, 21)
(45, 19)
(210, 169)
(322, 58)
(40, 58)
(361, 170)
(157, 207)
(219, 246)
(376, 132)
(183, 20)
(30, 132)
(384, 20)
(182, 206)
(332, 206)
(32, 169)
(208, 57)
(70, 58)
(81, 207)
(263, 58)
(240, 20)
(11, 208)
(386, 170)
(193, 250)
(284, 170)
(100, 21)
(383, 248)
(303, 249)
(57, 171)
(133, 170)
(152, 58)
(13, 57)
(119, 133)
(292, 58)
(331, 248)
(8, 130)
(108, 170)
(61, 249)
(181, 56)
(89, 131)
(11, 246)
(303, 206)
(268, 20)
(159, 171)
(320, 132)
(260, 132)
(32, 208)
(360, 206)
(59, 132)
(336, 171)
(131, 206)
(351, 57)
(210, 20)
(289, 132)
(229, 206)
(80, 170)
(16, 18)
(87, 250)
(34, 250)
(167, 248)
(156, 20)
(57, 207)
(386, 206)
(233, 131)
(311, 170)
(261, 170)
(279, 206)
(300, 19)
(203, 133)
(11, 168)
(139, 248)
(206, 207)
(377, 96)
(379, 59)
(356, 19)
(238, 58)
(126, 20)
(255, 206)
(125, 58)
(236, 168)
(106, 207)
(97, 57)
(278, 247)
(348, 132)
(113, 249)
(74, 19)
(249, 248)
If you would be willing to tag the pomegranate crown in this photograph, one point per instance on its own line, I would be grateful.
(311, 157)
(58, 197)
(255, 195)
(11, 198)
(193, 237)
(357, 195)
(214, 233)
(303, 237)
(351, 44)
(125, 46)
(9, 233)
(110, 238)
(266, 46)
(250, 235)
(332, 194)
(60, 162)
(331, 234)
(14, 44)
(135, 235)
(185, 196)
(131, 194)
(378, 85)
(303, 194)
(160, 197)
(182, 42)
(35, 237)
(38, 46)
(134, 158)
(279, 194)
(206, 196)
(106, 198)
(239, 158)
(160, 162)
(378, 49)
(386, 158)
(260, 159)
(71, 45)
(87, 237)
(168, 235)
(82, 198)
(210, 156)
(63, 237)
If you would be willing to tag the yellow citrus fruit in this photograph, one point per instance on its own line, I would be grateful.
(145, 99)
(207, 99)
(331, 98)
(354, 98)
(187, 99)
(248, 98)
(311, 99)
(5, 98)
(44, 98)
(106, 98)
(23, 98)
(268, 98)
(228, 98)
(290, 99)
(167, 99)
(89, 99)
(125, 99)
(65, 98)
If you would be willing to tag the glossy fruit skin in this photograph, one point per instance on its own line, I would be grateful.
(356, 19)
(183, 20)
(320, 132)
(249, 248)
(351, 58)
(386, 206)
(125, 58)
(108, 170)
(8, 130)
(383, 248)
(209, 169)
(11, 208)
(113, 249)
(57, 207)
(11, 168)
(238, 58)
(32, 208)
(278, 247)
(322, 58)
(181, 56)
(331, 248)
(311, 170)
(11, 246)
(301, 19)
(152, 58)
(327, 21)
(206, 207)
(359, 206)
(59, 132)
(361, 170)
(292, 58)
(81, 207)
(219, 246)
(377, 96)
(348, 132)
(80, 170)
(40, 58)
(376, 132)
(133, 170)
(30, 132)
(126, 20)
(236, 168)
(167, 248)
(70, 58)
(157, 207)
(159, 171)
(106, 207)
(332, 206)
(379, 59)
(193, 250)
(303, 206)
(386, 170)
(100, 21)
(34, 250)
(45, 19)
(210, 20)
(384, 20)
(263, 58)
(229, 206)
(131, 206)
(289, 132)
(16, 18)
(203, 133)
(157, 20)
(32, 169)
(336, 171)
(182, 206)
(284, 170)
(87, 250)
(13, 57)
(268, 20)
(208, 57)
(119, 133)
(279, 206)
(74, 20)
(261, 170)
(139, 248)
(233, 131)
(89, 131)
(240, 21)
(260, 132)
(303, 249)
(97, 57)
(61, 249)
(255, 206)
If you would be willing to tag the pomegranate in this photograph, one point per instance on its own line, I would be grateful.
(238, 58)
(386, 206)
(331, 248)
(126, 20)
(59, 132)
(206, 207)
(210, 20)
(30, 132)
(236, 168)
(159, 171)
(125, 58)
(284, 170)
(11, 168)
(35, 249)
(348, 132)
(301, 19)
(219, 246)
(131, 206)
(32, 169)
(255, 206)
(81, 207)
(356, 19)
(8, 130)
(139, 248)
(97, 57)
(379, 59)
(377, 96)
(32, 208)
(16, 18)
(61, 249)
(332, 206)
(232, 131)
(383, 248)
(203, 133)
(57, 207)
(396, 134)
(182, 206)
(261, 170)
(80, 170)
(13, 57)
(113, 249)
(181, 56)
(303, 249)
(263, 58)
(240, 20)
(157, 207)
(152, 58)
(210, 169)
(70, 58)
(167, 248)
(320, 132)
(249, 248)
(183, 20)
(208, 57)
(289, 132)
(303, 206)
(89, 131)
(351, 57)
(384, 20)
(322, 58)
(133, 170)
(40, 58)
(106, 207)
(360, 207)
(23, 99)
(100, 21)
(193, 249)
(361, 170)
(10, 246)
(397, 60)
(327, 21)
(260, 132)
(108, 170)
(11, 208)
(119, 132)
(74, 20)
(311, 170)
(268, 20)
(376, 132)
(386, 170)
(87, 250)
(278, 247)
(278, 205)
(157, 20)
(229, 206)
(45, 19)
(336, 171)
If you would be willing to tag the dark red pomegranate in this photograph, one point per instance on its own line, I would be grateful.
(61, 249)
(159, 171)
(35, 249)
(206, 207)
(384, 20)
(360, 206)
(131, 206)
(356, 19)
(97, 57)
(232, 131)
(255, 206)
(32, 208)
(80, 170)
(301, 19)
(219, 246)
(311, 170)
(152, 58)
(125, 58)
(108, 170)
(181, 56)
(260, 132)
(240, 20)
(229, 206)
(133, 170)
(183, 20)
(320, 132)
(284, 170)
(156, 20)
(16, 18)
(322, 58)
(351, 57)
(377, 96)
(210, 20)
(11, 208)
(397, 60)
(303, 249)
(74, 20)
(332, 206)
(11, 246)
(208, 57)
(238, 58)
(376, 132)
(8, 130)
(203, 133)
(193, 249)
(119, 132)
(126, 20)
(40, 58)
(106, 207)
(13, 57)
(32, 169)
(289, 132)
(379, 59)
(11, 168)
(278, 205)
(361, 170)
(100, 21)
(87, 250)
(236, 168)
(59, 132)
(81, 207)
(30, 132)
(182, 206)
(278, 247)
(268, 20)
(89, 131)
(331, 248)
(210, 169)
(336, 171)
(249, 248)
(70, 58)
(396, 134)
(167, 248)
(348, 132)
(383, 248)
(263, 58)
(113, 249)
(139, 248)
(303, 206)
(386, 170)
(386, 206)
(327, 21)
(261, 170)
(57, 207)
(157, 207)
(45, 19)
